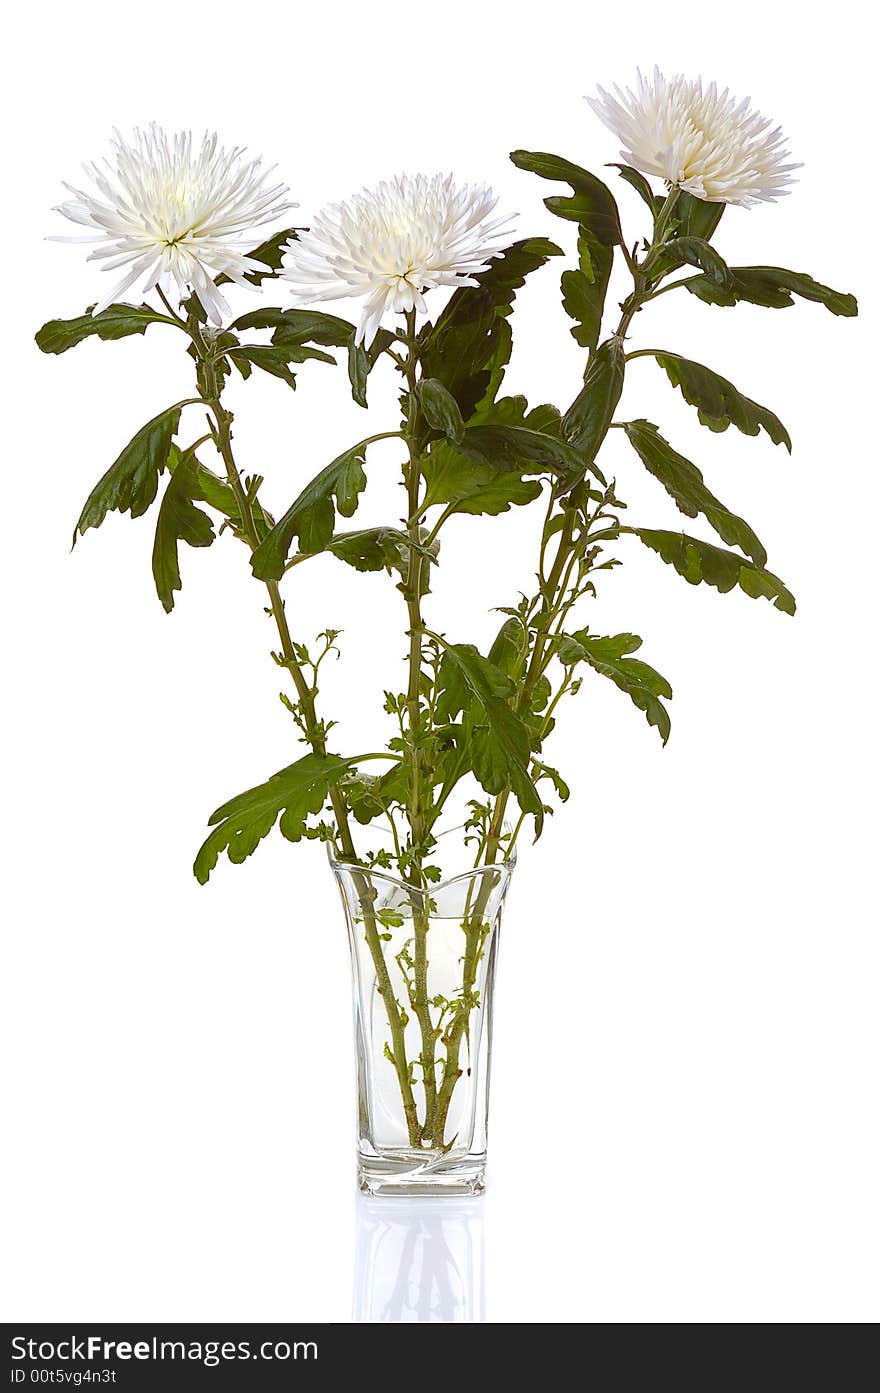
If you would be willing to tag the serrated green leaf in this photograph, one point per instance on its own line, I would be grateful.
(500, 755)
(469, 346)
(243, 822)
(515, 411)
(508, 272)
(593, 204)
(684, 483)
(773, 287)
(474, 486)
(275, 358)
(642, 684)
(584, 290)
(464, 673)
(115, 322)
(376, 549)
(484, 473)
(697, 561)
(131, 482)
(178, 520)
(310, 517)
(718, 402)
(306, 326)
(267, 357)
(269, 253)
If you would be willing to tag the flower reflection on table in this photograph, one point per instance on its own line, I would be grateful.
(419, 1260)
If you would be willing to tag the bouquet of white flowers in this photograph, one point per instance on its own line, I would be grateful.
(467, 729)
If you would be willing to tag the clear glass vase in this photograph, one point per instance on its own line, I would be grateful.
(423, 963)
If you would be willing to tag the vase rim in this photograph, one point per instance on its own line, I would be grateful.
(506, 864)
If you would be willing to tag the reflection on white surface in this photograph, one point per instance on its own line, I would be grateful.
(419, 1260)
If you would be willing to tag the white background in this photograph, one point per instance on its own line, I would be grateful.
(685, 1094)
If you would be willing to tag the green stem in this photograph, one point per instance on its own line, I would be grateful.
(475, 930)
(415, 813)
(661, 227)
(672, 285)
(552, 589)
(549, 592)
(178, 319)
(315, 737)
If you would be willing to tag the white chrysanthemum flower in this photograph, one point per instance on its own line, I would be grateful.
(176, 214)
(394, 242)
(699, 141)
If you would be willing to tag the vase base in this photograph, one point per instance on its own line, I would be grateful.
(419, 1174)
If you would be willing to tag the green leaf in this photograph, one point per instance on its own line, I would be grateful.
(506, 649)
(638, 181)
(361, 362)
(773, 287)
(585, 423)
(694, 251)
(179, 520)
(593, 204)
(516, 447)
(218, 494)
(304, 326)
(684, 483)
(515, 411)
(507, 273)
(269, 358)
(464, 673)
(440, 408)
(275, 358)
(310, 517)
(269, 253)
(369, 797)
(115, 322)
(469, 346)
(243, 822)
(584, 290)
(718, 402)
(484, 473)
(474, 486)
(376, 548)
(642, 684)
(546, 771)
(696, 217)
(698, 561)
(501, 756)
(131, 482)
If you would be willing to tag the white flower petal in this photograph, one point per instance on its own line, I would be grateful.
(187, 211)
(700, 141)
(392, 243)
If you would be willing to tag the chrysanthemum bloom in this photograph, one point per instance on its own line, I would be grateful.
(699, 141)
(393, 243)
(176, 214)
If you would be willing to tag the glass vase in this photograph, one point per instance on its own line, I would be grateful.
(423, 964)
